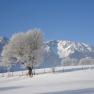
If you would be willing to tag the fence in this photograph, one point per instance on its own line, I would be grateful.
(48, 70)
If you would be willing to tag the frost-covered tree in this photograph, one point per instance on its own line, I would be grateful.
(69, 61)
(86, 61)
(26, 48)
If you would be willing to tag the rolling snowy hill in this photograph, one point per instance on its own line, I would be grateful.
(76, 82)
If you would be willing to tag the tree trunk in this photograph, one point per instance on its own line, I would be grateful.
(30, 71)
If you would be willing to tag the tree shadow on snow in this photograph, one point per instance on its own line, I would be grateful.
(80, 91)
(10, 88)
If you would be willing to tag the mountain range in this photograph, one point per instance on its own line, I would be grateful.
(62, 52)
(65, 52)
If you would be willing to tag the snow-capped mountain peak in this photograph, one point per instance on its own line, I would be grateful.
(65, 48)
(60, 51)
(3, 40)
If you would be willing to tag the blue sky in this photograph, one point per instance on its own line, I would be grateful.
(58, 19)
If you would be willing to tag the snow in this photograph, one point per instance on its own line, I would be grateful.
(66, 48)
(71, 82)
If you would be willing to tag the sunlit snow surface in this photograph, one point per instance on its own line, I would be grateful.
(74, 82)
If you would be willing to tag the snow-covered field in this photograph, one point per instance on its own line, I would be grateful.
(71, 82)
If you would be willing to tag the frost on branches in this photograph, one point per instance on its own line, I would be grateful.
(26, 48)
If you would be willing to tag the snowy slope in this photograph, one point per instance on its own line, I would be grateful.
(67, 48)
(77, 82)
(59, 51)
